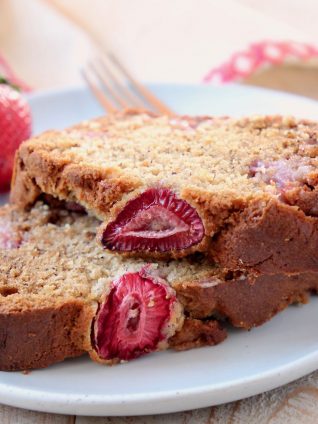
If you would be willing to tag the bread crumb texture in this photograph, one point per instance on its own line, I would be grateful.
(58, 257)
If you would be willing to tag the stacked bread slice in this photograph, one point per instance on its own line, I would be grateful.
(134, 233)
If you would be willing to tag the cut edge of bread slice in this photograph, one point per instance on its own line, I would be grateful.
(55, 280)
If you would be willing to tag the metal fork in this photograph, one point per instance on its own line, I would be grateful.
(116, 89)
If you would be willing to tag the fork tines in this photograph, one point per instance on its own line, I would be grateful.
(116, 89)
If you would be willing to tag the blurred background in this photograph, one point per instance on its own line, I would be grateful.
(271, 43)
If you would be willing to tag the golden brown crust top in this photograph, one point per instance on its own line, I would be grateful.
(220, 166)
(203, 156)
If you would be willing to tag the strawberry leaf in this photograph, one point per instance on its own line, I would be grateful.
(5, 81)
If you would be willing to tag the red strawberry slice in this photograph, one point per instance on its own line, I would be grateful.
(133, 319)
(156, 220)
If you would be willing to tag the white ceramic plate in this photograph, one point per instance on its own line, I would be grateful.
(247, 363)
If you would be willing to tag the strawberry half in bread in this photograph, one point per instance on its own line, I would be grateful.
(138, 316)
(15, 127)
(154, 221)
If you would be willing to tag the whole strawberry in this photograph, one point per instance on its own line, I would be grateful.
(15, 127)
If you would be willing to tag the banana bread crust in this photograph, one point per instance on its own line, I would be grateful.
(244, 300)
(244, 228)
(39, 337)
(270, 238)
(196, 333)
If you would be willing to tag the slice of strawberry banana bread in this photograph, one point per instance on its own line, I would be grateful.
(61, 295)
(244, 191)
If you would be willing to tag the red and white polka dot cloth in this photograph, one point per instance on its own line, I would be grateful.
(257, 56)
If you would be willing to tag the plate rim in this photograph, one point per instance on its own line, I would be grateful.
(130, 405)
(156, 85)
